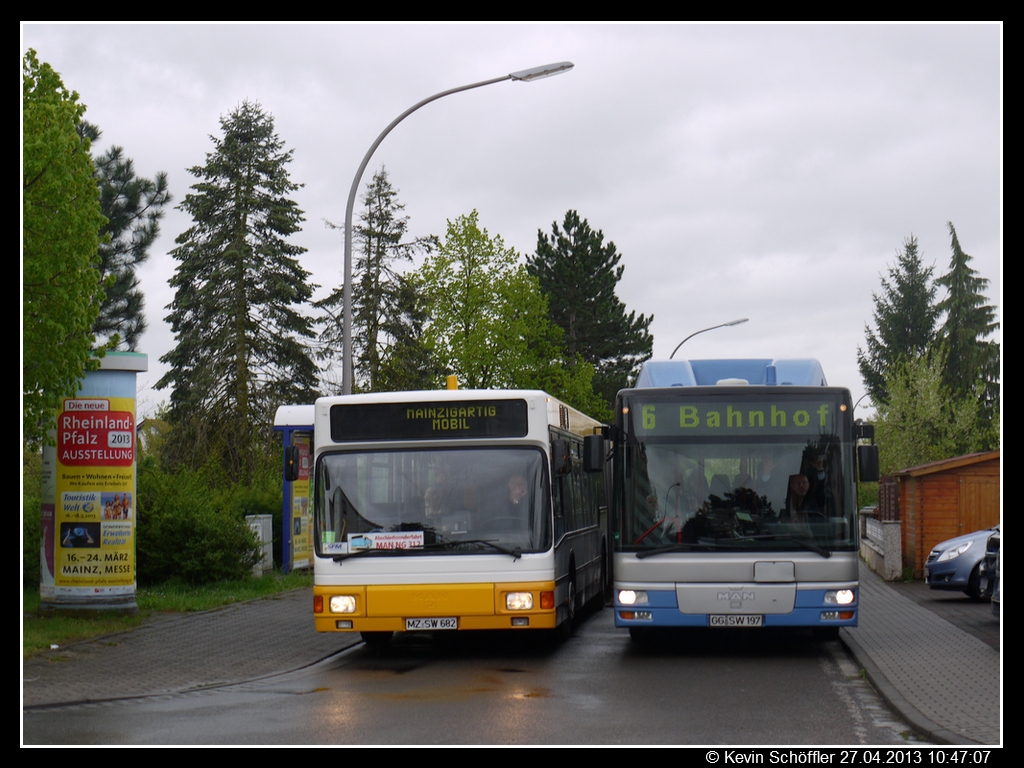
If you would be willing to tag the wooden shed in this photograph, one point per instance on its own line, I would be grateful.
(945, 499)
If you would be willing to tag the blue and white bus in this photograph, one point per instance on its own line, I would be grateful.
(453, 510)
(734, 499)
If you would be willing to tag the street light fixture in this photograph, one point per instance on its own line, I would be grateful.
(704, 330)
(524, 75)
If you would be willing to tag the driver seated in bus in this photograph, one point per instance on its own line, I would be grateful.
(814, 466)
(512, 512)
(799, 502)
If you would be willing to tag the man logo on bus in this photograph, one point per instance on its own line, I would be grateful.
(736, 596)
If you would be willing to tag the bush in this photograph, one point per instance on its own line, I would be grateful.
(867, 495)
(190, 525)
(185, 531)
(263, 497)
(31, 509)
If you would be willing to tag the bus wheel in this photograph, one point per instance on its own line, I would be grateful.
(825, 633)
(377, 640)
(566, 627)
(605, 596)
(573, 597)
(641, 634)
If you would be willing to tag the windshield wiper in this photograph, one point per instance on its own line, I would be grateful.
(808, 545)
(717, 544)
(366, 552)
(515, 553)
(710, 545)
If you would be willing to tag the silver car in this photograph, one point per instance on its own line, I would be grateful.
(959, 564)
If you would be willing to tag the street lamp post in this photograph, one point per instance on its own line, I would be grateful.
(866, 394)
(525, 75)
(704, 330)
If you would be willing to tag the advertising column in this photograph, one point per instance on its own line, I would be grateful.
(89, 504)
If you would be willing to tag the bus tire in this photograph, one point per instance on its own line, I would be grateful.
(377, 640)
(605, 596)
(566, 627)
(641, 635)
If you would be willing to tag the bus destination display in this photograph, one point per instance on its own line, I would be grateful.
(736, 417)
(429, 421)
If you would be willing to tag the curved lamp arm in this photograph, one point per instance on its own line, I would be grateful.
(524, 75)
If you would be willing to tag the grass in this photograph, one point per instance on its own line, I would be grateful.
(40, 634)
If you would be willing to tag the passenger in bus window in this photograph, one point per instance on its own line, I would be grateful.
(438, 496)
(770, 482)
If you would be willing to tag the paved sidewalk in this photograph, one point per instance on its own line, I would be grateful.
(184, 652)
(943, 681)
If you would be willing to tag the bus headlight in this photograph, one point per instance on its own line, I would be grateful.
(519, 601)
(343, 604)
(632, 597)
(840, 597)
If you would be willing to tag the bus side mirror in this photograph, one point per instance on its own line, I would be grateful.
(291, 463)
(867, 461)
(593, 453)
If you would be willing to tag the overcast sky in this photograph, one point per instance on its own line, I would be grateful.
(768, 172)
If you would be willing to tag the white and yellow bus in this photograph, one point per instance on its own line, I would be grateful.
(454, 510)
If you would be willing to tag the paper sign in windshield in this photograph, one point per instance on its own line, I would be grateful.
(385, 540)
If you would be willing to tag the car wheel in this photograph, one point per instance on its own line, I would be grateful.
(973, 590)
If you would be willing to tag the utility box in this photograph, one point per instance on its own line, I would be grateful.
(263, 527)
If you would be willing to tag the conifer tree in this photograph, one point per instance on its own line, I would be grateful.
(408, 363)
(905, 317)
(972, 361)
(578, 272)
(133, 206)
(381, 312)
(240, 348)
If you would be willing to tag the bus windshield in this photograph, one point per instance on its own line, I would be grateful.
(452, 500)
(710, 473)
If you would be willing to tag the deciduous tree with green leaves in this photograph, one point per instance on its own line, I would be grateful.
(905, 317)
(241, 339)
(408, 363)
(61, 285)
(922, 420)
(133, 206)
(578, 272)
(488, 320)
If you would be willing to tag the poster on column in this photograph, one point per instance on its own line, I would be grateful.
(94, 510)
(301, 516)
